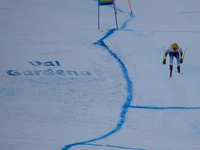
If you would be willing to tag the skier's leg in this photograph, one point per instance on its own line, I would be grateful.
(171, 68)
(178, 69)
(171, 60)
(178, 61)
(178, 64)
(171, 64)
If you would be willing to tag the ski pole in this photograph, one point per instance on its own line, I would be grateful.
(185, 52)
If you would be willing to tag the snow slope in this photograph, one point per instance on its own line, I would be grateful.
(66, 85)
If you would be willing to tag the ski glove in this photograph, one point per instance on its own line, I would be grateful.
(181, 61)
(164, 61)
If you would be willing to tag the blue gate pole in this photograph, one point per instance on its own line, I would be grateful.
(115, 10)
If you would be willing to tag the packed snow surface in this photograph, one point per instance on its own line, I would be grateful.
(67, 85)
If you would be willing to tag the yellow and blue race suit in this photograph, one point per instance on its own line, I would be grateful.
(178, 54)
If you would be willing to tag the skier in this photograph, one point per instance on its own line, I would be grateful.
(174, 51)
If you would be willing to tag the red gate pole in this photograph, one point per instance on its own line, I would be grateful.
(130, 6)
(115, 7)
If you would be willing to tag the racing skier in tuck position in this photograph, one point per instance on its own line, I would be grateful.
(174, 51)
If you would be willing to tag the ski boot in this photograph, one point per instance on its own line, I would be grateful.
(178, 69)
(171, 68)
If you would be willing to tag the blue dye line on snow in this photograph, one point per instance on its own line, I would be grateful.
(119, 147)
(190, 12)
(159, 31)
(163, 108)
(117, 9)
(128, 88)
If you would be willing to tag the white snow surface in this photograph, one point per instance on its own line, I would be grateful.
(61, 88)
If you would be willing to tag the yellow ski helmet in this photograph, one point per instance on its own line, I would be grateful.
(175, 47)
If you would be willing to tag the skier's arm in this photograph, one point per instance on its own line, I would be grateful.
(165, 56)
(181, 52)
(166, 53)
